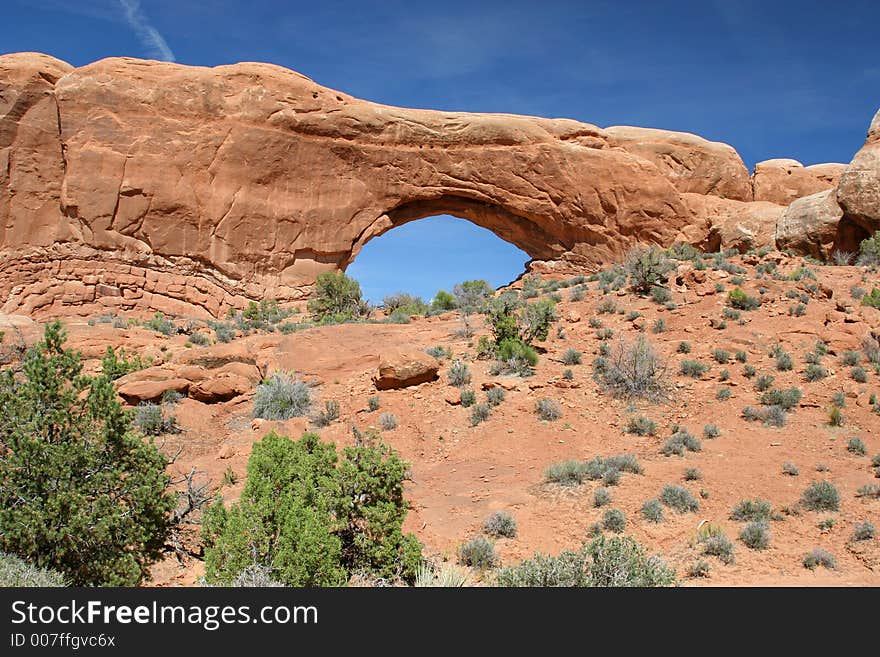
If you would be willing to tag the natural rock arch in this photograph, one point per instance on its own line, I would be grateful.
(141, 185)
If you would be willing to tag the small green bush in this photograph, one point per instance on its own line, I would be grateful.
(684, 348)
(856, 446)
(737, 298)
(388, 421)
(785, 399)
(679, 442)
(459, 373)
(494, 396)
(572, 357)
(150, 418)
(863, 531)
(566, 473)
(467, 396)
(17, 572)
(601, 497)
(711, 431)
(721, 356)
(373, 403)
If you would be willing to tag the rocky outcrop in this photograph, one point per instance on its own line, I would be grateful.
(733, 224)
(693, 164)
(144, 186)
(782, 181)
(401, 369)
(810, 225)
(858, 192)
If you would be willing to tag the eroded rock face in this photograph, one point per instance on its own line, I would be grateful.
(810, 225)
(782, 181)
(859, 189)
(731, 224)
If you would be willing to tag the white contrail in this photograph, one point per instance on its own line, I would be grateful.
(148, 34)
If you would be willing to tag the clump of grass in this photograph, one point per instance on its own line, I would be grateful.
(548, 409)
(821, 496)
(478, 553)
(640, 425)
(659, 325)
(723, 394)
(835, 416)
(751, 510)
(741, 356)
(684, 348)
(373, 403)
(764, 382)
(679, 498)
(500, 524)
(749, 371)
(819, 557)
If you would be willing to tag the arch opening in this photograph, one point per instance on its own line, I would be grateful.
(424, 255)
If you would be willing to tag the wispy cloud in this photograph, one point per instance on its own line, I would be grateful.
(148, 34)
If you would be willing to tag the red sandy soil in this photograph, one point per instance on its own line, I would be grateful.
(461, 474)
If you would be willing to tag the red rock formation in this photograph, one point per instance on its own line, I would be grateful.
(141, 185)
(781, 181)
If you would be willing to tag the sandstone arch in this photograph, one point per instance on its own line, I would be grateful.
(146, 185)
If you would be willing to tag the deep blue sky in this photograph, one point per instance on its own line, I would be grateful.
(794, 79)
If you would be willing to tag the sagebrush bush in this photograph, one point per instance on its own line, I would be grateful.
(478, 553)
(634, 371)
(790, 469)
(737, 298)
(820, 557)
(721, 356)
(601, 497)
(859, 374)
(328, 414)
(640, 425)
(480, 413)
(572, 357)
(679, 442)
(281, 397)
(150, 418)
(821, 496)
(718, 545)
(863, 531)
(756, 535)
(494, 396)
(815, 372)
(467, 397)
(771, 416)
(566, 473)
(500, 524)
(785, 399)
(548, 409)
(856, 446)
(679, 498)
(388, 421)
(711, 431)
(751, 510)
(614, 520)
(459, 373)
(313, 517)
(684, 348)
(693, 368)
(373, 403)
(652, 511)
(17, 572)
(692, 474)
